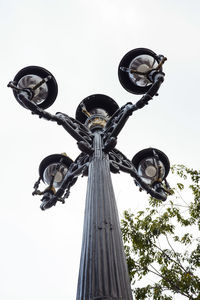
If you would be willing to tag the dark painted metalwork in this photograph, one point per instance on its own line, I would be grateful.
(47, 77)
(93, 102)
(103, 271)
(124, 70)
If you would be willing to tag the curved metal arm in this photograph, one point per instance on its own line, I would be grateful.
(77, 130)
(70, 179)
(161, 195)
(120, 117)
(119, 162)
(118, 120)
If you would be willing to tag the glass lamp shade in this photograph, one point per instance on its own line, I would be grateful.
(150, 167)
(29, 77)
(97, 105)
(140, 60)
(54, 168)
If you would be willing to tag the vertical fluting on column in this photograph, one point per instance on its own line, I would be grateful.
(103, 271)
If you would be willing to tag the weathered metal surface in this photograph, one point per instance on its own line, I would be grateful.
(103, 270)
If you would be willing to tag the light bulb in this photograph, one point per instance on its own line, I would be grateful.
(29, 82)
(142, 63)
(150, 171)
(52, 172)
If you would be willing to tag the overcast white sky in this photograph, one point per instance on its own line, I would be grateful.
(82, 43)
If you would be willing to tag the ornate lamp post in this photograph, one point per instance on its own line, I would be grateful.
(103, 271)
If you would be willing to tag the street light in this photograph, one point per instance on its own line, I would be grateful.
(52, 171)
(138, 69)
(38, 83)
(153, 167)
(103, 270)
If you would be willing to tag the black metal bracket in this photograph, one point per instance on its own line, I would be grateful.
(120, 117)
(119, 162)
(76, 129)
(84, 137)
(77, 168)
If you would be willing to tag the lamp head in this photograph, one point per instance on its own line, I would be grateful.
(152, 165)
(41, 84)
(135, 67)
(96, 110)
(53, 169)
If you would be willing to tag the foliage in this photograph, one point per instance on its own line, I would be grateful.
(163, 242)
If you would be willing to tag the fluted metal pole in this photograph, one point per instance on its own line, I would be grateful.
(103, 270)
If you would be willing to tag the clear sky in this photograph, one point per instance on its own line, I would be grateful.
(82, 43)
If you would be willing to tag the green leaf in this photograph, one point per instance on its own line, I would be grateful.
(153, 237)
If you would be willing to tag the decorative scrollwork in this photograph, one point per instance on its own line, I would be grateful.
(120, 117)
(85, 138)
(77, 130)
(77, 126)
(117, 121)
(119, 162)
(50, 196)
